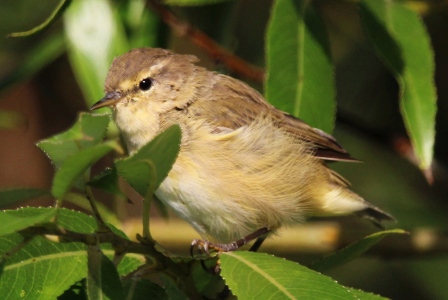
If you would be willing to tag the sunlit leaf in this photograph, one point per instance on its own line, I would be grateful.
(59, 265)
(43, 269)
(81, 201)
(300, 71)
(88, 131)
(252, 275)
(75, 165)
(95, 36)
(394, 29)
(157, 156)
(12, 223)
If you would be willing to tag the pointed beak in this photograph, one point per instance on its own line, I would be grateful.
(110, 99)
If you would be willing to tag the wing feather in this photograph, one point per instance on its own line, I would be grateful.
(239, 105)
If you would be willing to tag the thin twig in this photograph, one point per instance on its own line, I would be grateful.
(218, 53)
(181, 271)
(102, 227)
(146, 212)
(62, 6)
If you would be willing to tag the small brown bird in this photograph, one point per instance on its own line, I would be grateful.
(245, 168)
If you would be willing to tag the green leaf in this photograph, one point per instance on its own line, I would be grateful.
(352, 251)
(88, 131)
(252, 275)
(365, 295)
(300, 71)
(129, 263)
(75, 292)
(12, 223)
(68, 219)
(136, 289)
(76, 164)
(102, 280)
(171, 288)
(74, 220)
(95, 36)
(108, 181)
(43, 269)
(15, 196)
(394, 29)
(81, 201)
(157, 156)
(208, 285)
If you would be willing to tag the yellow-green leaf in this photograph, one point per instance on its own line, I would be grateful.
(152, 162)
(76, 164)
(252, 275)
(400, 38)
(300, 71)
(95, 36)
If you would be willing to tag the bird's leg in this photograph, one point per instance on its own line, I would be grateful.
(259, 234)
(258, 243)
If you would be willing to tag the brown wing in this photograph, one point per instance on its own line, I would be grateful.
(326, 146)
(234, 104)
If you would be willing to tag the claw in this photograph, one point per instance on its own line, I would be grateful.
(205, 245)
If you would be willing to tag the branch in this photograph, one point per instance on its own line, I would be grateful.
(218, 53)
(159, 262)
(90, 239)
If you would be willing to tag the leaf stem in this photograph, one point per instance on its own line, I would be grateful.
(146, 214)
(102, 227)
(62, 6)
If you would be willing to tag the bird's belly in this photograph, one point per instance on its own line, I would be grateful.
(213, 215)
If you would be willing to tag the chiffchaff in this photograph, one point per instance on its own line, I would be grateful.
(245, 168)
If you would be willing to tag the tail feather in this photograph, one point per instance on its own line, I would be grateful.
(339, 200)
(376, 215)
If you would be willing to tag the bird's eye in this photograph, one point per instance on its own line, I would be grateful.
(145, 84)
